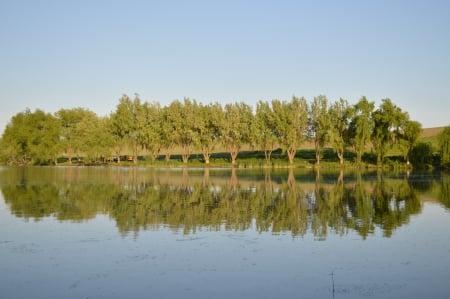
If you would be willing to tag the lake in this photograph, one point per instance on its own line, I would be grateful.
(126, 232)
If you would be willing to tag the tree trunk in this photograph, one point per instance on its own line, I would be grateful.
(154, 154)
(234, 151)
(291, 155)
(358, 158)
(359, 152)
(70, 153)
(206, 152)
(267, 155)
(341, 157)
(379, 160)
(233, 155)
(318, 151)
(135, 154)
(186, 152)
(168, 153)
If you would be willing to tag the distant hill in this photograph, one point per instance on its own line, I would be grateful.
(431, 132)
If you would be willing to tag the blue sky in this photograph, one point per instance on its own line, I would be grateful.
(65, 54)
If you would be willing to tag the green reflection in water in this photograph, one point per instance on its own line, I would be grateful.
(283, 201)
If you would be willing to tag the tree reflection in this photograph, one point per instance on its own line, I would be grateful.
(292, 203)
(444, 194)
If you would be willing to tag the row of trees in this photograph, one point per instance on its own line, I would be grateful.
(143, 127)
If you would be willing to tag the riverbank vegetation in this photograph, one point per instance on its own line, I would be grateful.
(272, 134)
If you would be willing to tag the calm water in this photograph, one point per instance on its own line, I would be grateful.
(157, 233)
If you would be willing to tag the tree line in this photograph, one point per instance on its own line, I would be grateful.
(187, 126)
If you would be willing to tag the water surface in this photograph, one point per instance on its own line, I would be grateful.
(81, 232)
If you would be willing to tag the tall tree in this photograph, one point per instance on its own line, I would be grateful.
(361, 126)
(128, 124)
(71, 125)
(33, 136)
(235, 127)
(209, 119)
(180, 127)
(409, 135)
(186, 127)
(444, 144)
(95, 140)
(169, 124)
(15, 138)
(152, 131)
(290, 120)
(339, 115)
(387, 122)
(263, 131)
(319, 124)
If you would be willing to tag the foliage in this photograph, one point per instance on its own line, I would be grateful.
(72, 136)
(235, 127)
(209, 119)
(290, 120)
(180, 127)
(339, 116)
(145, 130)
(387, 124)
(421, 154)
(32, 137)
(151, 131)
(263, 130)
(127, 124)
(361, 126)
(444, 145)
(319, 124)
(409, 136)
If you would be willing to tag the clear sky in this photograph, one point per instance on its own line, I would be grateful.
(65, 54)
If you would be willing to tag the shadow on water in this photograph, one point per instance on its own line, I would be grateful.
(278, 201)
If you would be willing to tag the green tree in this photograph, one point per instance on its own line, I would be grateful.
(339, 116)
(290, 121)
(152, 131)
(186, 126)
(319, 124)
(444, 145)
(72, 124)
(128, 124)
(263, 131)
(361, 126)
(421, 154)
(15, 139)
(33, 135)
(387, 123)
(208, 120)
(238, 118)
(169, 124)
(409, 135)
(92, 134)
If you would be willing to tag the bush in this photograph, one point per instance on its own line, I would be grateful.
(422, 154)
